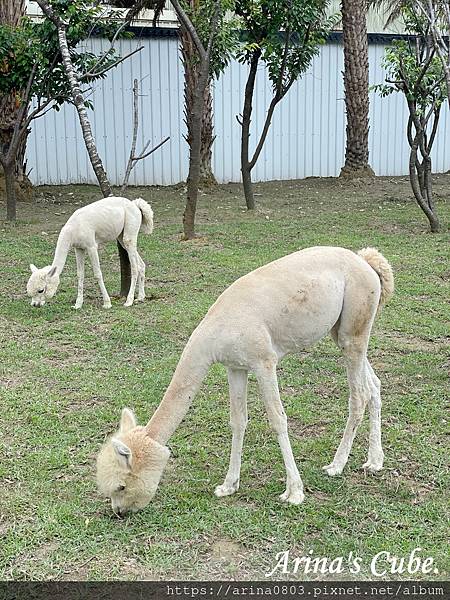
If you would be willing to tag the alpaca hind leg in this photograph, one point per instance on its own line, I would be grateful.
(80, 256)
(132, 253)
(93, 257)
(268, 384)
(141, 279)
(237, 381)
(376, 455)
(129, 242)
(358, 380)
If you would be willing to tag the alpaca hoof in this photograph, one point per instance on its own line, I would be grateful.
(107, 305)
(333, 470)
(293, 496)
(373, 466)
(129, 303)
(140, 298)
(226, 490)
(77, 306)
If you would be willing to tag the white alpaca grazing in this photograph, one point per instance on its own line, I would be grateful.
(278, 309)
(102, 221)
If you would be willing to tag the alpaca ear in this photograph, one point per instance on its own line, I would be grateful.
(127, 421)
(33, 268)
(51, 272)
(122, 451)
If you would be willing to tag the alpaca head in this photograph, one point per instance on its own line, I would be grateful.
(42, 284)
(129, 466)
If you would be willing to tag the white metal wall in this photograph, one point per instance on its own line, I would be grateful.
(307, 137)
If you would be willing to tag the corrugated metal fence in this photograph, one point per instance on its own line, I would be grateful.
(307, 137)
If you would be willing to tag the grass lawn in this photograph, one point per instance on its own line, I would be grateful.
(65, 376)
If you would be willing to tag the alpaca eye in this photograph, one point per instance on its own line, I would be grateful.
(120, 488)
(41, 291)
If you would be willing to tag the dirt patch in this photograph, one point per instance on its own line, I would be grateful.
(55, 204)
(413, 343)
(4, 526)
(405, 479)
(44, 550)
(228, 556)
(225, 550)
(129, 568)
(25, 563)
(308, 430)
(10, 382)
(83, 403)
(317, 494)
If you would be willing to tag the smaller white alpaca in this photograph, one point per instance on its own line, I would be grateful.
(111, 218)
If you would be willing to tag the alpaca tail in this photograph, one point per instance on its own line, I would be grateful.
(383, 269)
(147, 215)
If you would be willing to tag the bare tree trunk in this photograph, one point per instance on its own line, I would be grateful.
(191, 74)
(420, 175)
(356, 84)
(10, 188)
(245, 136)
(418, 179)
(9, 111)
(11, 12)
(194, 155)
(280, 90)
(83, 117)
(208, 137)
(204, 57)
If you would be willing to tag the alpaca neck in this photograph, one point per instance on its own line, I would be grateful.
(189, 374)
(63, 246)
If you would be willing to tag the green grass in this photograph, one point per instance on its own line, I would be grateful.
(67, 374)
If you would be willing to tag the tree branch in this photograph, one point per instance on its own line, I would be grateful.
(47, 9)
(213, 28)
(279, 85)
(92, 75)
(133, 159)
(142, 156)
(188, 26)
(433, 129)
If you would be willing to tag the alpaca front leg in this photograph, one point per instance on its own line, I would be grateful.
(93, 257)
(376, 455)
(237, 381)
(268, 384)
(80, 256)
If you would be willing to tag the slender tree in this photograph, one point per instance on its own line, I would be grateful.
(203, 77)
(285, 35)
(207, 43)
(414, 69)
(190, 65)
(356, 85)
(225, 43)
